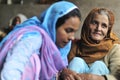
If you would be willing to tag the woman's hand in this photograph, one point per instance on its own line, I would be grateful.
(90, 77)
(67, 74)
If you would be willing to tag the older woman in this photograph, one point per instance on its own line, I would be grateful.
(96, 56)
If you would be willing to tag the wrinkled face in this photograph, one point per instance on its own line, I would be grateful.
(66, 31)
(99, 27)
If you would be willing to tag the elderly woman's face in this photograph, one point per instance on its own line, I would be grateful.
(99, 27)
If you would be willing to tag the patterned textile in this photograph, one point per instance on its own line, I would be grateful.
(86, 48)
(50, 59)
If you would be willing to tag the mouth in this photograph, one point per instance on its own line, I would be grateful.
(97, 33)
(65, 43)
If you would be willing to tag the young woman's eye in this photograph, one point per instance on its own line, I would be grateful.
(69, 30)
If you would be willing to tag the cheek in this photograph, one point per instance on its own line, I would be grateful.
(91, 27)
(57, 39)
(105, 32)
(60, 35)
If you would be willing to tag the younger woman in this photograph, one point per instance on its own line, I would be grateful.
(37, 49)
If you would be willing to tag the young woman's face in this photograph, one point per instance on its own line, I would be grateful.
(66, 32)
(99, 27)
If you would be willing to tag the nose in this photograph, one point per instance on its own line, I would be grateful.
(98, 27)
(72, 36)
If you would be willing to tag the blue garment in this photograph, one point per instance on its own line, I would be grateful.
(79, 65)
(49, 19)
(18, 56)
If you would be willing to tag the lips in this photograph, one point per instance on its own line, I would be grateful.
(97, 33)
(65, 43)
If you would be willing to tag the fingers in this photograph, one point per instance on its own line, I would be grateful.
(77, 77)
(70, 77)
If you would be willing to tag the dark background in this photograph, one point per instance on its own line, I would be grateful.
(35, 7)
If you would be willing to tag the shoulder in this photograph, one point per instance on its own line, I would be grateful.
(113, 61)
(116, 47)
(115, 51)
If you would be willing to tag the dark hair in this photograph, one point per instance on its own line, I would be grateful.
(17, 18)
(73, 13)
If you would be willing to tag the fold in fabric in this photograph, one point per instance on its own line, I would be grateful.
(49, 59)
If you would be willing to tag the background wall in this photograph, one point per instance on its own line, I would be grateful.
(30, 9)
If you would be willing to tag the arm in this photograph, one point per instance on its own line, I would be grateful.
(113, 62)
(19, 55)
(91, 77)
(67, 74)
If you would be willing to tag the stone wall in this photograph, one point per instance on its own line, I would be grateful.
(30, 9)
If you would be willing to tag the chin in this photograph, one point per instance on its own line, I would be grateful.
(97, 39)
(61, 46)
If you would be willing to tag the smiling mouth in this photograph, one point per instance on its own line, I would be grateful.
(96, 33)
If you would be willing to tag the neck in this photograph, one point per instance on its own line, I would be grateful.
(94, 41)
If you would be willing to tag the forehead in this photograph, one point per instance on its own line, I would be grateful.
(73, 22)
(101, 17)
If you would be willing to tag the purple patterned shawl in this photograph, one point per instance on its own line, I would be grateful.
(47, 64)
(50, 60)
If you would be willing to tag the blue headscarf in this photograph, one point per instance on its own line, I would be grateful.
(47, 21)
(49, 18)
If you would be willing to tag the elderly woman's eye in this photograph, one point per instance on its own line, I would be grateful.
(94, 22)
(104, 26)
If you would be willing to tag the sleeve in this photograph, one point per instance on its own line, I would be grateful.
(19, 55)
(113, 62)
